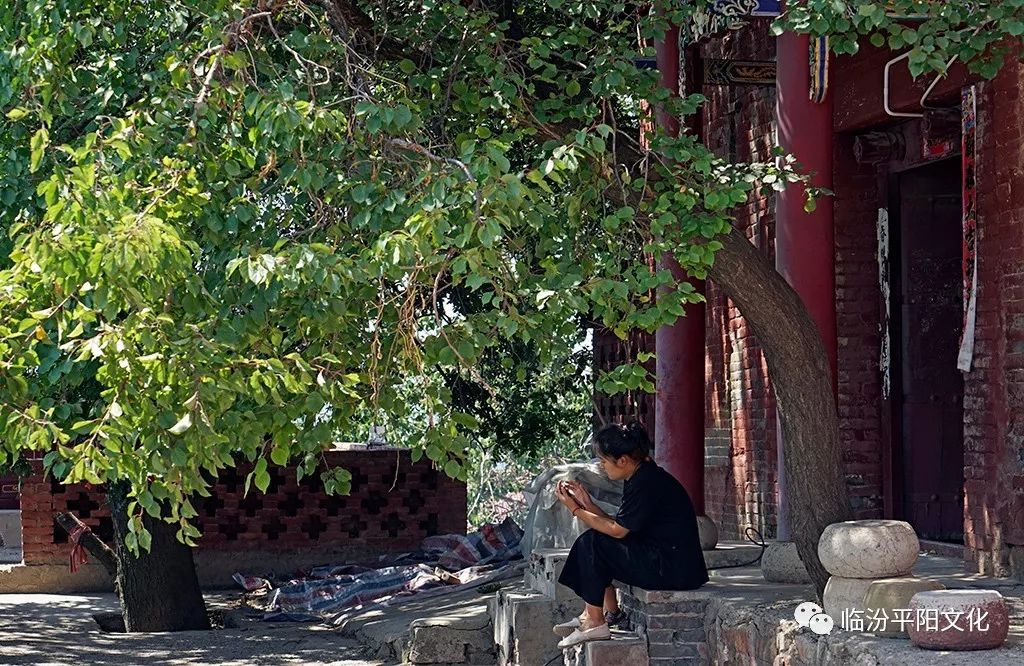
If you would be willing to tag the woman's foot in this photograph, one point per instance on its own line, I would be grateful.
(566, 628)
(585, 633)
(614, 618)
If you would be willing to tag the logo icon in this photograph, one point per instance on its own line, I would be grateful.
(810, 614)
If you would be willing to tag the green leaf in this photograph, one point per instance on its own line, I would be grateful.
(183, 424)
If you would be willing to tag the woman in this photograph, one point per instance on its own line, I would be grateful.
(652, 541)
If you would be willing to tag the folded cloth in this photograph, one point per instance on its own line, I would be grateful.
(490, 543)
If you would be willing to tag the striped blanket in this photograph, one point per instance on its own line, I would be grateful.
(453, 560)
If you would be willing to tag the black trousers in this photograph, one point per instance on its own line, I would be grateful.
(596, 559)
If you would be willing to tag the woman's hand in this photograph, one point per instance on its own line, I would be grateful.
(580, 494)
(561, 492)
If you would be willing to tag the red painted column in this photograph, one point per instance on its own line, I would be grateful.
(679, 404)
(804, 242)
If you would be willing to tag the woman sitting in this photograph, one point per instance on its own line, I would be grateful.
(652, 542)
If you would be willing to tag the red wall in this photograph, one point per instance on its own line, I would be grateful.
(740, 425)
(741, 437)
(291, 516)
(994, 390)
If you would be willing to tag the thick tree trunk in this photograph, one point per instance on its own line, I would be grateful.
(159, 590)
(803, 390)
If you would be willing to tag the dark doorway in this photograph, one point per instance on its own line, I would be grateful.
(928, 389)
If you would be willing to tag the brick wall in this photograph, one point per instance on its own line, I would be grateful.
(855, 205)
(291, 517)
(740, 426)
(994, 389)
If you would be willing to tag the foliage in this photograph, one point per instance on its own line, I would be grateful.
(980, 33)
(495, 486)
(237, 226)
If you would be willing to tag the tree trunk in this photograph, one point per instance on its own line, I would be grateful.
(804, 396)
(159, 590)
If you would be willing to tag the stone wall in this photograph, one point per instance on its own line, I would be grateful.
(393, 505)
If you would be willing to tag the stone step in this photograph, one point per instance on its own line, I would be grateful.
(522, 618)
(731, 554)
(624, 649)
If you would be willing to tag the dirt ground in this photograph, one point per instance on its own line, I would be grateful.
(57, 630)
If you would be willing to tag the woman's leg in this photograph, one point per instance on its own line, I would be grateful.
(611, 600)
(585, 571)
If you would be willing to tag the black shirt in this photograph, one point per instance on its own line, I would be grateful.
(657, 510)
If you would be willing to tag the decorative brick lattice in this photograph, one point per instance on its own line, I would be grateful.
(387, 510)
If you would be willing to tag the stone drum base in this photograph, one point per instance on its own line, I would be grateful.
(959, 620)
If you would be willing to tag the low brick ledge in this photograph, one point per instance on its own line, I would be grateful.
(749, 621)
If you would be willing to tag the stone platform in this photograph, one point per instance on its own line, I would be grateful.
(737, 619)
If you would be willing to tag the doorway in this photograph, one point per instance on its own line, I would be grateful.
(927, 313)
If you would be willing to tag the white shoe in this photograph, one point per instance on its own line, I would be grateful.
(598, 633)
(566, 628)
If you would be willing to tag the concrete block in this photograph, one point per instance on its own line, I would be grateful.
(782, 564)
(885, 597)
(959, 620)
(543, 570)
(624, 649)
(868, 548)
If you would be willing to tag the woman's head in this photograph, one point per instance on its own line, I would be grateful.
(620, 448)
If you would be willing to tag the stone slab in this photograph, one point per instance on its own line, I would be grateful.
(624, 649)
(731, 554)
(542, 572)
(451, 628)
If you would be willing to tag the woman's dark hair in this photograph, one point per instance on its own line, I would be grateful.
(615, 440)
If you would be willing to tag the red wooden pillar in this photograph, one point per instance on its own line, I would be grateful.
(679, 404)
(804, 245)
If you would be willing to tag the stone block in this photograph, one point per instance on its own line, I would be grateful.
(731, 554)
(886, 597)
(522, 620)
(844, 596)
(442, 644)
(707, 532)
(543, 570)
(782, 564)
(10, 529)
(959, 620)
(868, 548)
(624, 649)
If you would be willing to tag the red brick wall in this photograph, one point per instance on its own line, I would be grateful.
(994, 389)
(740, 422)
(855, 209)
(291, 516)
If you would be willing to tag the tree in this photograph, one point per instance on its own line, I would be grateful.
(241, 224)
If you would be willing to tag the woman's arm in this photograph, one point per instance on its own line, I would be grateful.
(600, 522)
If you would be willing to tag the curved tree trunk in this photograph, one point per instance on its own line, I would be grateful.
(802, 380)
(159, 590)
